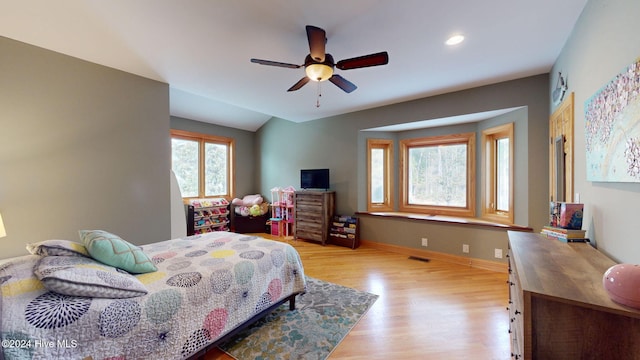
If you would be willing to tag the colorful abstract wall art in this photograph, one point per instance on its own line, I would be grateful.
(612, 129)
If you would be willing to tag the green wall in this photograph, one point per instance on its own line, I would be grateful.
(339, 143)
(285, 147)
(518, 117)
(604, 42)
(245, 165)
(82, 146)
(443, 237)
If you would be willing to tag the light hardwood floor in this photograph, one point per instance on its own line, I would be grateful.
(426, 310)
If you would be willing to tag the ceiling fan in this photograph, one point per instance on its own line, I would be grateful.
(319, 65)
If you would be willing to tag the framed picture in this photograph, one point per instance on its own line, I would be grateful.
(612, 129)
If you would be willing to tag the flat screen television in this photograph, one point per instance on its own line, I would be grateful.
(314, 179)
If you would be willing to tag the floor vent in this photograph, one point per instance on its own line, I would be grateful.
(418, 258)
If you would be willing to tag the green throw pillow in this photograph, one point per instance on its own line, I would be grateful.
(112, 250)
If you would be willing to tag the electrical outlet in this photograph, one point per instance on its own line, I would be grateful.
(425, 242)
(465, 248)
(498, 253)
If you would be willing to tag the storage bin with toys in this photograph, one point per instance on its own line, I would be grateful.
(249, 214)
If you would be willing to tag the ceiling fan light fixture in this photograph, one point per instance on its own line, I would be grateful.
(319, 72)
(319, 66)
(455, 40)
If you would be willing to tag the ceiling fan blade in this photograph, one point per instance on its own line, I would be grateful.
(317, 39)
(343, 83)
(381, 58)
(302, 82)
(275, 63)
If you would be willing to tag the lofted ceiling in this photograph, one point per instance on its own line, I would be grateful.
(202, 48)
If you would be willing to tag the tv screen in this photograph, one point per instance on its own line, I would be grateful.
(314, 179)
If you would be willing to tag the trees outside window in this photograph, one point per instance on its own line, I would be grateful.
(437, 175)
(379, 175)
(203, 164)
(497, 157)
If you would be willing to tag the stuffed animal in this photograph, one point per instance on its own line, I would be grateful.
(255, 210)
(253, 205)
(248, 200)
(264, 208)
(242, 210)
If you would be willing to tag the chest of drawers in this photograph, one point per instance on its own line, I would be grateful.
(313, 211)
(558, 307)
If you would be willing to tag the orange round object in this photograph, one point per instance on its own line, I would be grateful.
(622, 283)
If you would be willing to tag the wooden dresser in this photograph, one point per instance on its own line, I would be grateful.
(558, 307)
(313, 212)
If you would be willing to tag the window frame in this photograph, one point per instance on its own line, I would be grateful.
(202, 139)
(489, 173)
(468, 139)
(387, 146)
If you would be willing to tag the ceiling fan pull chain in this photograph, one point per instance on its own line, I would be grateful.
(319, 95)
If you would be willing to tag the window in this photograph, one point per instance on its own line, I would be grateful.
(203, 164)
(437, 175)
(379, 179)
(497, 172)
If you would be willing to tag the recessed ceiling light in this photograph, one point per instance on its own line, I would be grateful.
(454, 40)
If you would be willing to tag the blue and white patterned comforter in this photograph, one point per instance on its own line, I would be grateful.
(206, 285)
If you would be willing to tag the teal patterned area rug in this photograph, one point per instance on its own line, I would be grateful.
(323, 317)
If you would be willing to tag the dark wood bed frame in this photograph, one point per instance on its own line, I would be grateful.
(292, 306)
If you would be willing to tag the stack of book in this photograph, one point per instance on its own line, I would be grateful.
(565, 235)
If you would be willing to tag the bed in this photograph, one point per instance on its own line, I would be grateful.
(206, 288)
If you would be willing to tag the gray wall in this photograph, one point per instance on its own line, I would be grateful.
(285, 147)
(339, 144)
(604, 41)
(521, 192)
(82, 146)
(245, 163)
(518, 117)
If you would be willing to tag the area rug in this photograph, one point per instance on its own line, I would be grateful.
(323, 317)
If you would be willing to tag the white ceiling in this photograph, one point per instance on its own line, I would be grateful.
(201, 48)
(445, 121)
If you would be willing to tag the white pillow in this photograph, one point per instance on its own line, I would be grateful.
(57, 248)
(83, 276)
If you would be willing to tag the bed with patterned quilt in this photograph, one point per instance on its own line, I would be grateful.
(104, 298)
